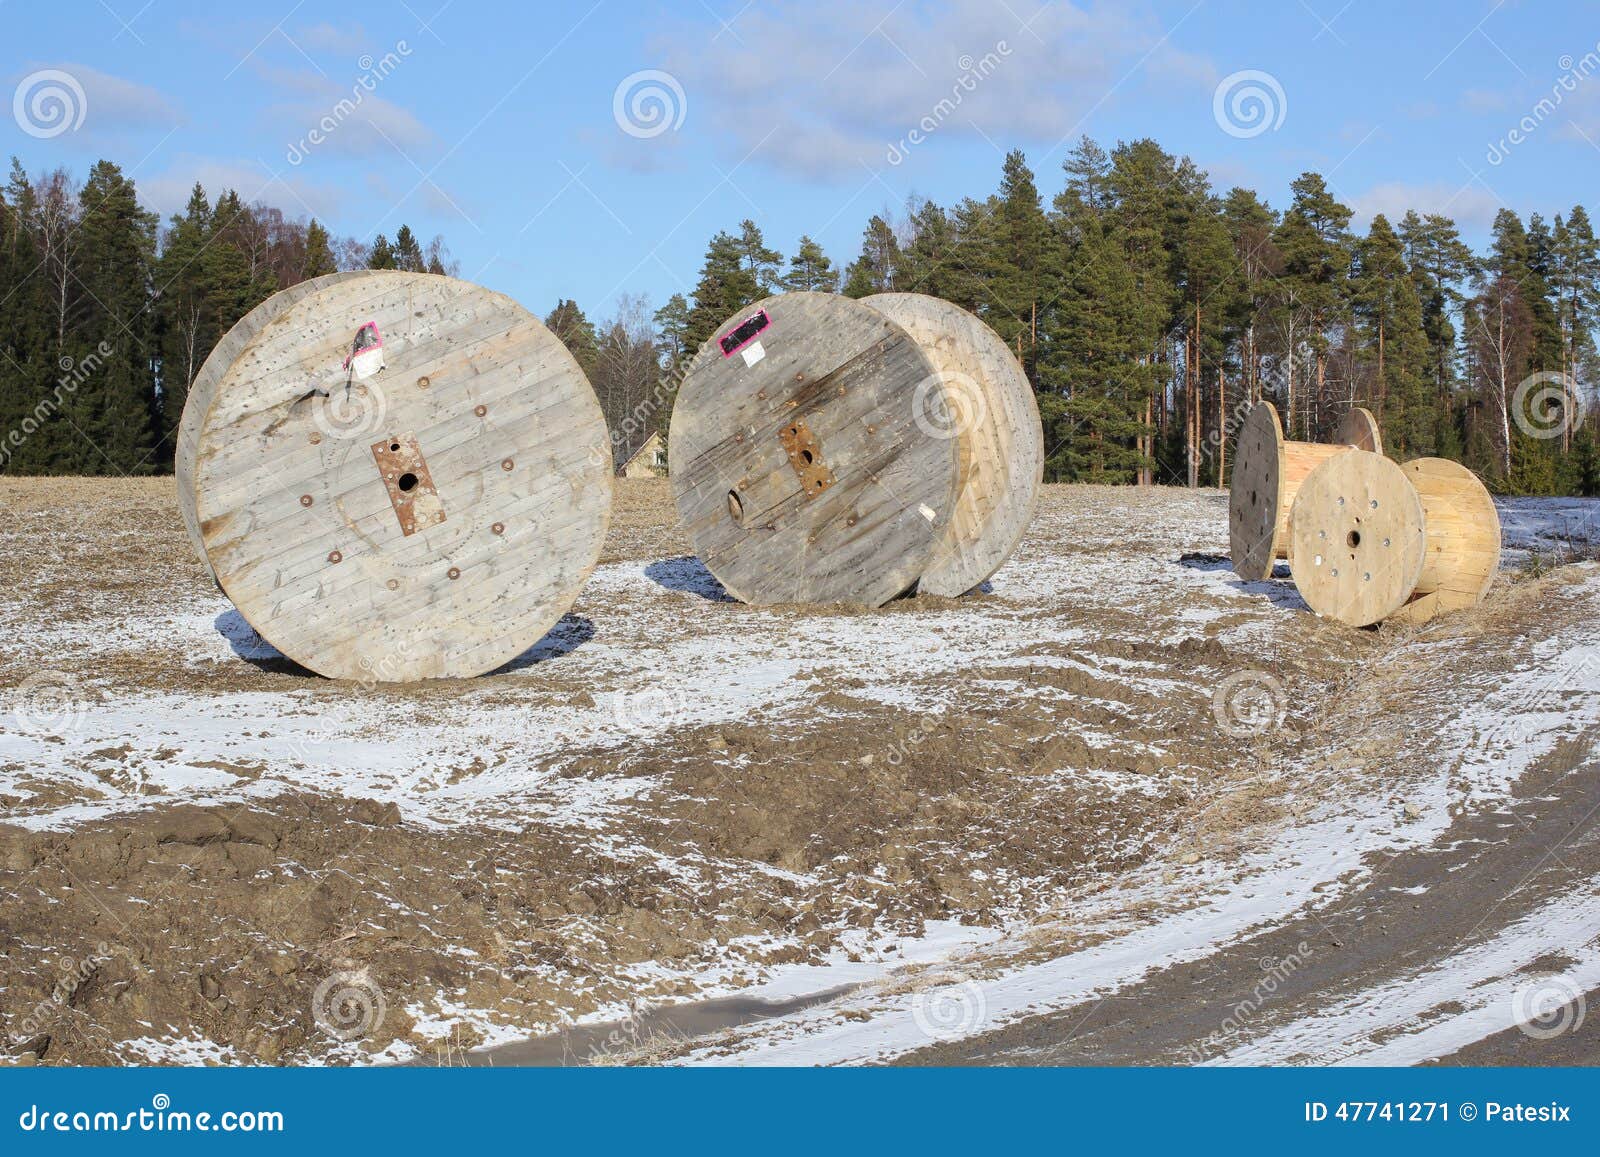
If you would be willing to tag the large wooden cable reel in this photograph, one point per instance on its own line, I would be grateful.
(396, 476)
(1373, 540)
(1463, 536)
(799, 466)
(1267, 475)
(991, 403)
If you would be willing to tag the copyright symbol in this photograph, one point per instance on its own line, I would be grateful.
(1469, 1111)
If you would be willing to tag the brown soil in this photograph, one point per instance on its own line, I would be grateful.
(1013, 785)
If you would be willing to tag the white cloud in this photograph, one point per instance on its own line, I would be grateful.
(113, 102)
(167, 192)
(822, 87)
(1470, 204)
(345, 116)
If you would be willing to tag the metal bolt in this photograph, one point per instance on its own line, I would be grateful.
(480, 410)
(335, 557)
(305, 500)
(423, 382)
(507, 464)
(498, 528)
(316, 439)
(393, 584)
(454, 572)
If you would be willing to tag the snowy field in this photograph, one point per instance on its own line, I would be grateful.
(958, 813)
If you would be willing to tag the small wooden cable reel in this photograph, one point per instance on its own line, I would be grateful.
(1372, 540)
(1268, 473)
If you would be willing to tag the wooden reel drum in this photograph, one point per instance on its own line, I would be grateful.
(992, 403)
(1267, 474)
(395, 476)
(813, 455)
(1373, 540)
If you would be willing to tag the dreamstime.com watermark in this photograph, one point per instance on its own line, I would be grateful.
(74, 975)
(373, 73)
(1548, 1006)
(648, 103)
(1249, 703)
(160, 1117)
(1573, 74)
(645, 710)
(73, 374)
(949, 1010)
(46, 703)
(1547, 404)
(348, 1005)
(48, 103)
(1275, 973)
(948, 404)
(972, 74)
(1248, 103)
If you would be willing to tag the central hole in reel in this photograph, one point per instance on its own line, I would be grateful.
(1353, 539)
(407, 482)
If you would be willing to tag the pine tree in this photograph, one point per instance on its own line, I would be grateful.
(1386, 303)
(319, 259)
(576, 332)
(672, 323)
(810, 271)
(763, 264)
(112, 388)
(382, 255)
(1020, 267)
(407, 253)
(1314, 240)
(877, 270)
(725, 287)
(929, 262)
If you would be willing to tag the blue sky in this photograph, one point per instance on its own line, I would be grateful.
(510, 128)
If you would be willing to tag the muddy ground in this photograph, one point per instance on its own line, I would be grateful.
(208, 854)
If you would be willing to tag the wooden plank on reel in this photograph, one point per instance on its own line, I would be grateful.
(197, 403)
(400, 476)
(1463, 553)
(1359, 538)
(1267, 474)
(993, 411)
(799, 467)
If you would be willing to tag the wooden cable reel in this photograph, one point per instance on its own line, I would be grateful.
(1267, 475)
(395, 476)
(801, 471)
(992, 408)
(1373, 540)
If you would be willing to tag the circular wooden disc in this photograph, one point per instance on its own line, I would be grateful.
(431, 519)
(993, 410)
(1463, 538)
(1253, 499)
(800, 467)
(1358, 537)
(1359, 428)
(203, 389)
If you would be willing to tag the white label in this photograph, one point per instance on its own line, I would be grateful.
(367, 362)
(753, 353)
(928, 512)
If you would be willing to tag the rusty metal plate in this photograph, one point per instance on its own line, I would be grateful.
(805, 455)
(405, 474)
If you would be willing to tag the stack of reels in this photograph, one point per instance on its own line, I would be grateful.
(829, 450)
(1366, 539)
(395, 476)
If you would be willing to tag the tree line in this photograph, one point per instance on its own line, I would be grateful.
(1148, 309)
(107, 314)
